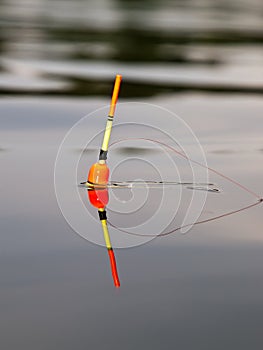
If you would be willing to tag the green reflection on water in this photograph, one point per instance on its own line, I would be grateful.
(181, 33)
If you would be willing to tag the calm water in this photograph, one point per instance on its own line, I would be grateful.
(199, 59)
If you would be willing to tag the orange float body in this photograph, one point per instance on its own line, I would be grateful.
(98, 176)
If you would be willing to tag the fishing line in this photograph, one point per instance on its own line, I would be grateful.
(149, 184)
(234, 182)
(193, 161)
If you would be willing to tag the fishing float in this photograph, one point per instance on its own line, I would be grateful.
(98, 180)
(98, 183)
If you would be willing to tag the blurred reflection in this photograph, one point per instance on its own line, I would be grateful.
(63, 47)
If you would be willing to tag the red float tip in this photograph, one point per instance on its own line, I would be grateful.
(114, 268)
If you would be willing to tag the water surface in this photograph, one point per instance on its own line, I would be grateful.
(201, 60)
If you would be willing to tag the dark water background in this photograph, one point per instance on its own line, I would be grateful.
(200, 59)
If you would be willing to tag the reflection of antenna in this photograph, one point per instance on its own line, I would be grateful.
(99, 175)
(103, 220)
